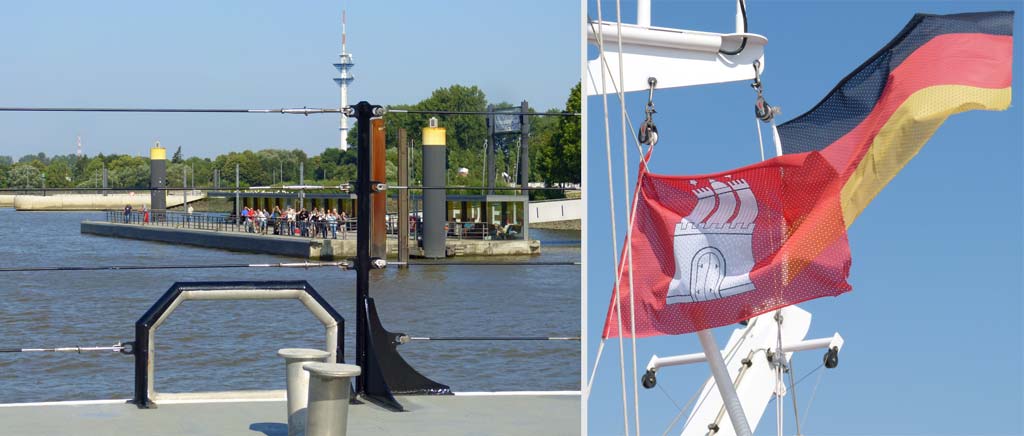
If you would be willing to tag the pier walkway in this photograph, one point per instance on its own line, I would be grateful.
(229, 238)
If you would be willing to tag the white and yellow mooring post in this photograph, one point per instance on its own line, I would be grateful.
(157, 181)
(436, 180)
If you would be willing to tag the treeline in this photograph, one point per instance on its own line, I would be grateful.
(554, 148)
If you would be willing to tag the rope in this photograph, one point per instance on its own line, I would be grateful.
(629, 218)
(792, 392)
(593, 373)
(776, 138)
(629, 120)
(807, 408)
(760, 141)
(611, 204)
(780, 362)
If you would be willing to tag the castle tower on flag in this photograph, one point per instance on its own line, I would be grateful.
(344, 66)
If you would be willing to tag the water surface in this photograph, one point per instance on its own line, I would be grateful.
(229, 345)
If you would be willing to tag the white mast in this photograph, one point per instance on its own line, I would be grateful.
(343, 66)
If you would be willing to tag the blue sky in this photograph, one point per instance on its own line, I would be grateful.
(262, 54)
(933, 326)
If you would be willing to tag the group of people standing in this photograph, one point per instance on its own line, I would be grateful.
(314, 223)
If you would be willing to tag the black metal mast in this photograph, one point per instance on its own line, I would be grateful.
(362, 112)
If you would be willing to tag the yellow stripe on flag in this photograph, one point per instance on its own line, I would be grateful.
(906, 131)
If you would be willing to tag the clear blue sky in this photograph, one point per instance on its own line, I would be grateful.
(933, 326)
(262, 54)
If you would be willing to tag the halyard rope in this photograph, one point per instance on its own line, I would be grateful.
(629, 218)
(611, 204)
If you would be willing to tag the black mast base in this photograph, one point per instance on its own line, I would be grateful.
(385, 372)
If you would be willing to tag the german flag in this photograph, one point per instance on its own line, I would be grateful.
(880, 115)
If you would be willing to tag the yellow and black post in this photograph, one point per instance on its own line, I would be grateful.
(435, 180)
(157, 181)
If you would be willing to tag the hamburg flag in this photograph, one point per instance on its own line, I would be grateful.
(713, 250)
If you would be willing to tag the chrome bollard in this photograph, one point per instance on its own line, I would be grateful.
(298, 384)
(329, 390)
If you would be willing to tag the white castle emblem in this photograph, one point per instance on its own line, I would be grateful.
(713, 244)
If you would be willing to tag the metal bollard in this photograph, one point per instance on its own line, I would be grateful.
(298, 384)
(329, 390)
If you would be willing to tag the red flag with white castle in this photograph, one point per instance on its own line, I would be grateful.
(713, 250)
(717, 249)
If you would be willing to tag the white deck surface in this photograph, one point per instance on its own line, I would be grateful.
(529, 414)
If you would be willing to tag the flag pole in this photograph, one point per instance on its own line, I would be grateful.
(724, 383)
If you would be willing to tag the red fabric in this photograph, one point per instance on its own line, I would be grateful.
(793, 250)
(968, 59)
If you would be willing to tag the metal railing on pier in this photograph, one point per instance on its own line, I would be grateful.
(224, 222)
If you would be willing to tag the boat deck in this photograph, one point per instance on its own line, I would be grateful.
(465, 414)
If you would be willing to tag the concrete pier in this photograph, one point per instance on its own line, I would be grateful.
(294, 246)
(93, 202)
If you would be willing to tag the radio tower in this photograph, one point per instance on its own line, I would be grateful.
(79, 151)
(343, 66)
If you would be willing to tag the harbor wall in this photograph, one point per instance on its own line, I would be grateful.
(6, 200)
(279, 245)
(556, 214)
(91, 202)
(300, 247)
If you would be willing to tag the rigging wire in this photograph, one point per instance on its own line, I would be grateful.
(615, 87)
(684, 409)
(814, 391)
(611, 204)
(792, 392)
(117, 348)
(342, 188)
(496, 112)
(629, 217)
(593, 373)
(294, 111)
(604, 95)
(406, 338)
(303, 265)
(728, 355)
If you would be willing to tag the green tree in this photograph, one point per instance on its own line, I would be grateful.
(560, 160)
(58, 174)
(176, 158)
(25, 175)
